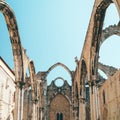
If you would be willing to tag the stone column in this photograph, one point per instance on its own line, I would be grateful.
(94, 100)
(18, 111)
(91, 99)
(82, 106)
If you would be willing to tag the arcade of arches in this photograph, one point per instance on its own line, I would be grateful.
(90, 97)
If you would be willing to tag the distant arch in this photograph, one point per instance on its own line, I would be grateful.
(62, 65)
(15, 40)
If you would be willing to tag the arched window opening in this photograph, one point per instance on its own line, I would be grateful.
(76, 91)
(104, 97)
(87, 93)
(59, 116)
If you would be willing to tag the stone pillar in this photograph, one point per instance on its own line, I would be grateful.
(94, 100)
(82, 110)
(71, 117)
(91, 99)
(97, 102)
(35, 112)
(19, 94)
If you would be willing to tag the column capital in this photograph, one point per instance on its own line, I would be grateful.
(20, 84)
(92, 83)
(82, 99)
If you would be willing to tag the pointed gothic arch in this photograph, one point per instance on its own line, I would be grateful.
(62, 65)
(97, 31)
(17, 55)
(15, 40)
(100, 36)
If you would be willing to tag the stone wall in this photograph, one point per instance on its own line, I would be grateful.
(59, 101)
(109, 98)
(7, 91)
(59, 105)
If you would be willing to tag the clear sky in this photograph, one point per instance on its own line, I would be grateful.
(54, 31)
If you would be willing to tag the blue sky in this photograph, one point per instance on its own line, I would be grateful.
(54, 31)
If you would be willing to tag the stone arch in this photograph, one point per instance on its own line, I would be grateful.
(15, 41)
(99, 36)
(103, 69)
(52, 97)
(91, 48)
(109, 31)
(97, 31)
(62, 65)
(29, 64)
(108, 70)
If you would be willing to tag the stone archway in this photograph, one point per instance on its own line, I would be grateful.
(62, 65)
